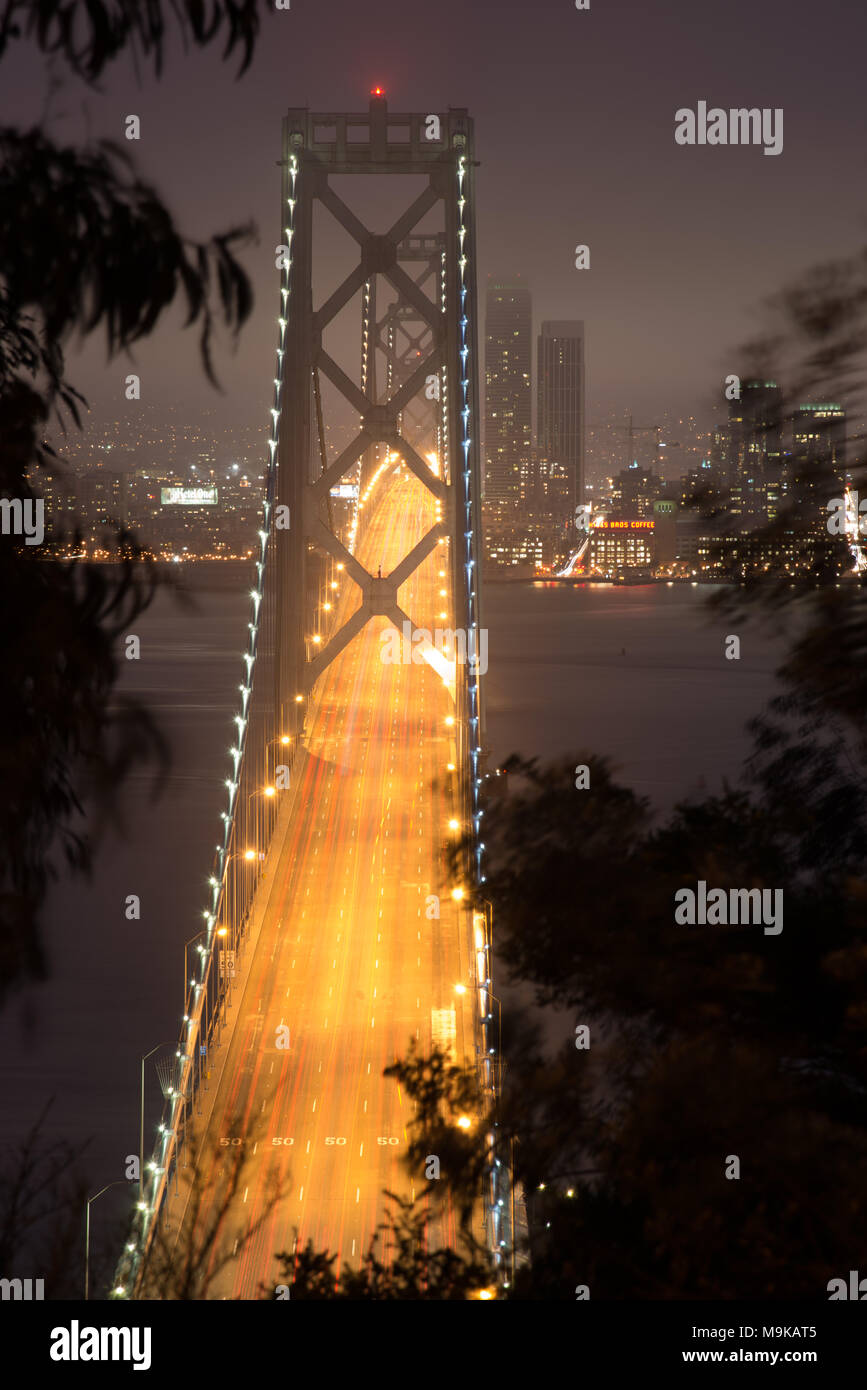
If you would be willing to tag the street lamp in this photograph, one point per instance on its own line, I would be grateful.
(120, 1183)
(268, 792)
(283, 744)
(187, 981)
(248, 854)
(486, 903)
(499, 1033)
(141, 1125)
(262, 791)
(232, 901)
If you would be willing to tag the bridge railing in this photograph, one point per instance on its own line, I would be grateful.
(206, 999)
(249, 817)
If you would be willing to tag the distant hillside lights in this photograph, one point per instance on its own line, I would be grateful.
(737, 126)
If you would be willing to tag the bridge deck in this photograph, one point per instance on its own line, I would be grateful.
(346, 956)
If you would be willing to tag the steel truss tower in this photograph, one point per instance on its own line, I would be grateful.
(429, 389)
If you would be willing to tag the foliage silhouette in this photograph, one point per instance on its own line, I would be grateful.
(86, 247)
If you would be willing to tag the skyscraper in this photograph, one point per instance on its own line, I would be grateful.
(560, 385)
(508, 336)
(818, 465)
(755, 452)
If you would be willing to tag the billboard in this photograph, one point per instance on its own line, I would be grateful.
(348, 491)
(188, 496)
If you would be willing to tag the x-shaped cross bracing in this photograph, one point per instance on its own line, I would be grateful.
(379, 256)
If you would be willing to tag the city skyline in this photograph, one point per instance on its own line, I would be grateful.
(683, 326)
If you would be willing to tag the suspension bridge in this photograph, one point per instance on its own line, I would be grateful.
(334, 932)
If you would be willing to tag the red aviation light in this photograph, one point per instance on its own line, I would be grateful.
(377, 92)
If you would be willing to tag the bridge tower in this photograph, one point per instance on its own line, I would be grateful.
(422, 397)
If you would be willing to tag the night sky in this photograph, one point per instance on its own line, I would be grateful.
(575, 124)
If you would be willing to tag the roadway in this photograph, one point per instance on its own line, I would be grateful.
(347, 958)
